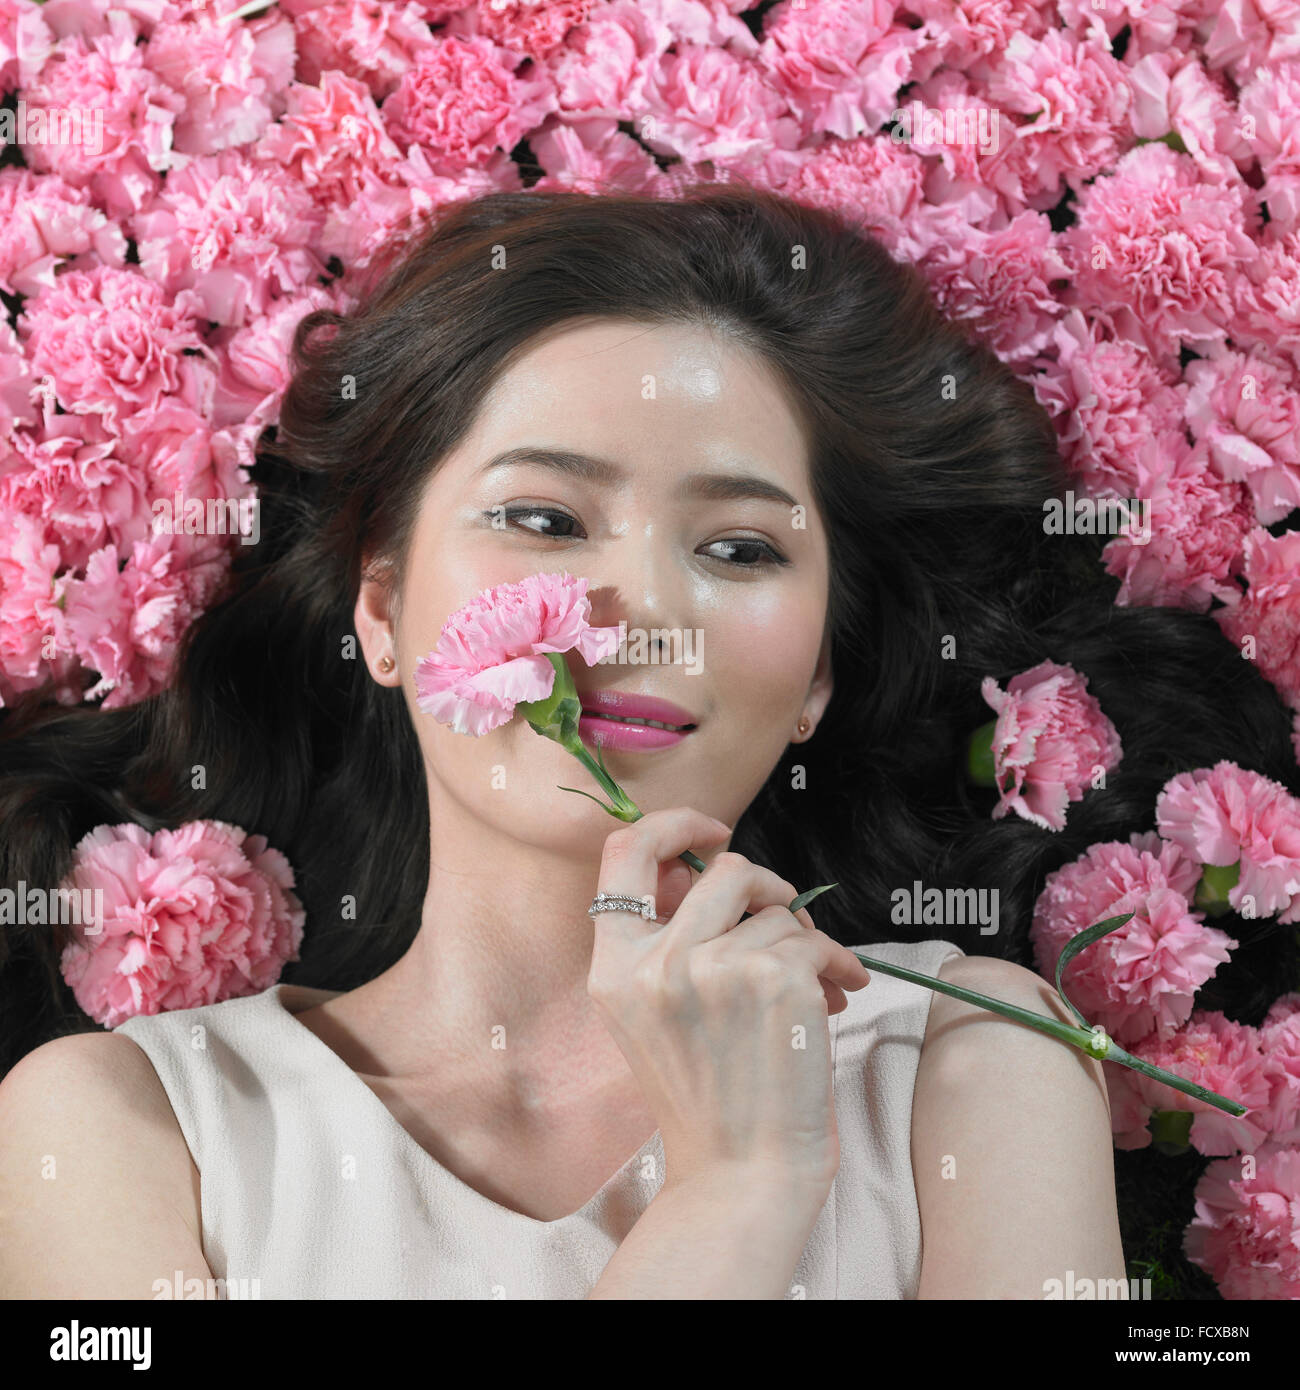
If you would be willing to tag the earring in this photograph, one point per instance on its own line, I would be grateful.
(804, 724)
(386, 664)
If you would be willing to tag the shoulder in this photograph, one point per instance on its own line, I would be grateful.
(77, 1114)
(999, 979)
(962, 1039)
(1011, 1144)
(84, 1071)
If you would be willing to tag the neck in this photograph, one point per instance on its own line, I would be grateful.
(495, 984)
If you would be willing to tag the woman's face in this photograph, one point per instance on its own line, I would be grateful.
(740, 642)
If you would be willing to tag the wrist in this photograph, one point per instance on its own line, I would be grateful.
(729, 1231)
(747, 1184)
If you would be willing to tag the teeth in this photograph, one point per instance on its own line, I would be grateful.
(628, 719)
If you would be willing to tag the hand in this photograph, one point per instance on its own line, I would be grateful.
(723, 1022)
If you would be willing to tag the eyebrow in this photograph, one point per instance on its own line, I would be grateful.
(712, 487)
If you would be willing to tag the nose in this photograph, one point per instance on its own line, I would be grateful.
(638, 581)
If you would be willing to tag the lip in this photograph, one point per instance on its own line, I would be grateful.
(612, 733)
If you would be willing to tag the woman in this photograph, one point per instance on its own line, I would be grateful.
(742, 422)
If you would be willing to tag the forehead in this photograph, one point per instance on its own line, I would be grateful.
(656, 394)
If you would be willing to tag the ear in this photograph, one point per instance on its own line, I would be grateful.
(373, 616)
(819, 691)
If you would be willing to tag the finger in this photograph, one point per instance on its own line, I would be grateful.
(765, 928)
(632, 856)
(769, 928)
(828, 958)
(728, 888)
(675, 879)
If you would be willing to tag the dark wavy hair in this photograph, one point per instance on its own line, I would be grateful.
(934, 503)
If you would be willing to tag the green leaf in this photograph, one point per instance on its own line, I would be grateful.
(1172, 139)
(805, 898)
(1171, 1131)
(546, 715)
(589, 797)
(979, 756)
(1077, 944)
(1213, 886)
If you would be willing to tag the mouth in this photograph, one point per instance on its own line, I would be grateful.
(639, 723)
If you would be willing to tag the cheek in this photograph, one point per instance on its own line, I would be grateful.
(760, 649)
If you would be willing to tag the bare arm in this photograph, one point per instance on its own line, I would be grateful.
(98, 1194)
(726, 1236)
(1011, 1147)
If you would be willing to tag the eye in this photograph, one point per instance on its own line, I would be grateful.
(748, 552)
(744, 552)
(549, 517)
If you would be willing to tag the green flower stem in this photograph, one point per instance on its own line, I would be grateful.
(1083, 1038)
(625, 809)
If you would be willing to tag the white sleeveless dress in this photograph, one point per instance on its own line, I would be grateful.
(310, 1188)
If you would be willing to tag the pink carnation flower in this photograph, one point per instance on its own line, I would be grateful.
(330, 136)
(44, 221)
(374, 41)
(1191, 548)
(1247, 411)
(31, 613)
(18, 387)
(959, 34)
(839, 63)
(1269, 104)
(998, 283)
(489, 654)
(235, 232)
(1105, 397)
(191, 916)
(72, 477)
(25, 43)
(1142, 977)
(1279, 1036)
(1246, 1233)
(462, 102)
(175, 450)
(1269, 610)
(395, 205)
(590, 156)
(1212, 1051)
(105, 76)
(112, 341)
(126, 621)
(601, 67)
(93, 17)
(872, 182)
(1075, 101)
(529, 29)
(707, 104)
(1249, 34)
(1173, 92)
(1048, 741)
(1225, 814)
(231, 75)
(255, 367)
(1176, 25)
(1268, 297)
(1170, 249)
(960, 189)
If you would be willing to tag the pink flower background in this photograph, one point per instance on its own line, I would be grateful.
(1129, 245)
